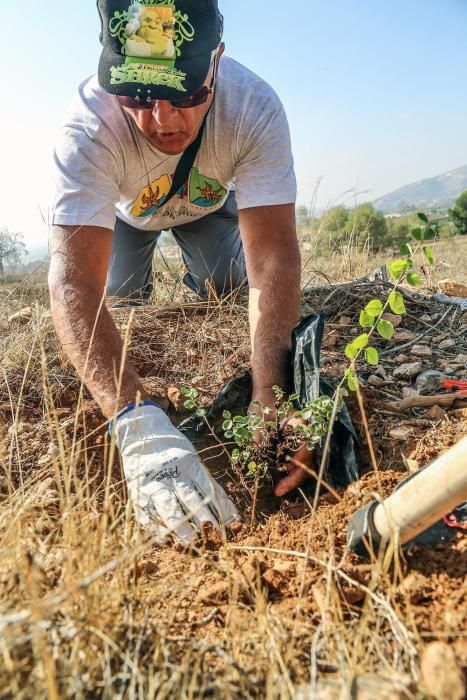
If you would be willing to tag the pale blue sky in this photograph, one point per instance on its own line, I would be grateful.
(374, 90)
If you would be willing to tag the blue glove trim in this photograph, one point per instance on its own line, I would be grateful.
(129, 408)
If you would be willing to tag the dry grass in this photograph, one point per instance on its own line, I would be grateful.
(89, 608)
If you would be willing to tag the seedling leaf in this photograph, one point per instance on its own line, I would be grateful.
(374, 308)
(366, 321)
(397, 268)
(414, 280)
(372, 356)
(386, 329)
(396, 302)
(428, 253)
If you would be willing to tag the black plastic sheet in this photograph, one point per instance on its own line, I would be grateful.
(342, 464)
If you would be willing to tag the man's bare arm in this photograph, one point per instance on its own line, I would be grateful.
(77, 280)
(273, 265)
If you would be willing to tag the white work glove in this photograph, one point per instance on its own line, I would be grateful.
(165, 477)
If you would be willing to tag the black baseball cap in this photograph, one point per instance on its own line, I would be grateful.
(157, 49)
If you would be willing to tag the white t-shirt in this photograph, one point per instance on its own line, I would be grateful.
(106, 167)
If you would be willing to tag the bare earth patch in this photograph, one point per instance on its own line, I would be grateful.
(89, 607)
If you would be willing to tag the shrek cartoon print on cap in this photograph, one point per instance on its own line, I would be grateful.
(157, 49)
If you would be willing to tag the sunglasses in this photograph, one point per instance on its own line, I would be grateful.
(200, 97)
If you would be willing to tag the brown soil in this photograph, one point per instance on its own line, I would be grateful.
(293, 565)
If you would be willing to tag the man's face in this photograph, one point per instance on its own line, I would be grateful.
(168, 129)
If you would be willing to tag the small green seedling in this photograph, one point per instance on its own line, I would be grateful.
(191, 404)
(371, 317)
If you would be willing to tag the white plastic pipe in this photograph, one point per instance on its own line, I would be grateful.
(426, 498)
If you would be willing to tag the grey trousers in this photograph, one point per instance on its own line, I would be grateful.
(211, 249)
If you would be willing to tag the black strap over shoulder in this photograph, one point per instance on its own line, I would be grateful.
(186, 162)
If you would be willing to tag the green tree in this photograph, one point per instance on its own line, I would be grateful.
(459, 214)
(366, 224)
(12, 248)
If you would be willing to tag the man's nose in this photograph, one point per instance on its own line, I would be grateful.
(164, 112)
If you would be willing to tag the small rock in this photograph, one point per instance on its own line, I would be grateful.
(400, 359)
(406, 371)
(250, 571)
(436, 412)
(353, 595)
(272, 579)
(392, 318)
(330, 341)
(449, 371)
(22, 317)
(53, 453)
(402, 434)
(422, 351)
(235, 527)
(283, 567)
(452, 288)
(20, 428)
(429, 382)
(426, 318)
(217, 593)
(411, 465)
(461, 360)
(381, 372)
(413, 583)
(446, 344)
(402, 336)
(441, 676)
(408, 392)
(374, 380)
(345, 321)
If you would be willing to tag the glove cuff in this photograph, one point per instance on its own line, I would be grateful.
(131, 407)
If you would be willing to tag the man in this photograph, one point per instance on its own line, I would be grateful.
(121, 160)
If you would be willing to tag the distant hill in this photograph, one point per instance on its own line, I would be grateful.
(435, 193)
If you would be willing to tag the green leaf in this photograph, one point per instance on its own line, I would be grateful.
(396, 302)
(386, 329)
(185, 390)
(416, 233)
(374, 308)
(227, 415)
(429, 255)
(189, 405)
(429, 234)
(406, 249)
(361, 342)
(227, 425)
(414, 280)
(372, 356)
(397, 268)
(423, 217)
(351, 351)
(366, 321)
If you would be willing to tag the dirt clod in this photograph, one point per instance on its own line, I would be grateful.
(442, 677)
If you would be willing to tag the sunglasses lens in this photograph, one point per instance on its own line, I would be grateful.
(134, 103)
(199, 98)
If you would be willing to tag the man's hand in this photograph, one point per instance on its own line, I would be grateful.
(166, 480)
(297, 475)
